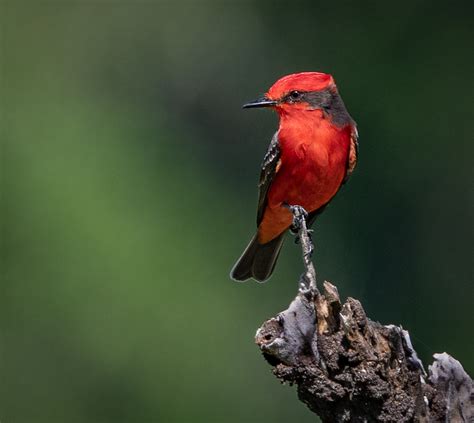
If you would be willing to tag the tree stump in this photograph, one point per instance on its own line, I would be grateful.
(348, 368)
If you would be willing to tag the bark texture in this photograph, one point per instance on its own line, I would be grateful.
(348, 368)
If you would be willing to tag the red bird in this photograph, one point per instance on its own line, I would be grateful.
(310, 157)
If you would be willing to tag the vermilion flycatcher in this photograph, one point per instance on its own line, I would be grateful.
(310, 157)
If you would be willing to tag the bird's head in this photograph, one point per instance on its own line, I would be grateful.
(305, 91)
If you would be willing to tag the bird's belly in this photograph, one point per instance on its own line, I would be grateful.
(311, 184)
(309, 187)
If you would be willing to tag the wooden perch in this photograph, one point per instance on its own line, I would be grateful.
(348, 368)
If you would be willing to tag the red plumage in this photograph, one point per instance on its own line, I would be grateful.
(311, 155)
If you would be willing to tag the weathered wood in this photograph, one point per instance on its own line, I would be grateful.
(348, 368)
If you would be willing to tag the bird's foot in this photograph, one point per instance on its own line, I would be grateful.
(299, 216)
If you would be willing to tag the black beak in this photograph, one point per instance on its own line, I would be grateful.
(260, 102)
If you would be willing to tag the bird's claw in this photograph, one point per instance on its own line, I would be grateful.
(299, 214)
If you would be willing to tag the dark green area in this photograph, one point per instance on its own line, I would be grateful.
(129, 189)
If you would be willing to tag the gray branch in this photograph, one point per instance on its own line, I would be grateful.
(348, 368)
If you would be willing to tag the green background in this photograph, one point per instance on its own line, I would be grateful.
(129, 189)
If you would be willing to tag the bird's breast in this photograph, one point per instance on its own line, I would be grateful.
(314, 157)
(313, 165)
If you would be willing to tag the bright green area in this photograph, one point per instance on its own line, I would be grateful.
(128, 190)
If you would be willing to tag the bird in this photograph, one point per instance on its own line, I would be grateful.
(311, 155)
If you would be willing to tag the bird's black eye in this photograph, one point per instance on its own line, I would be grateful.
(294, 95)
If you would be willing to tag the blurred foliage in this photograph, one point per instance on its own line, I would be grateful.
(129, 189)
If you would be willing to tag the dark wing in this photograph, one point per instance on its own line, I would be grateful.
(270, 166)
(351, 164)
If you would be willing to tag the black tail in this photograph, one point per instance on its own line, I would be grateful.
(258, 260)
